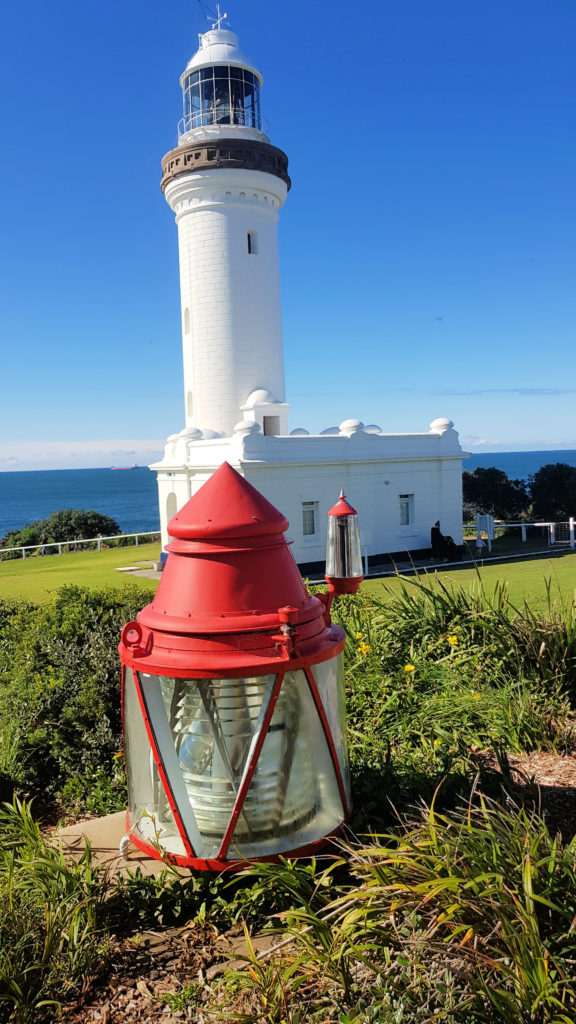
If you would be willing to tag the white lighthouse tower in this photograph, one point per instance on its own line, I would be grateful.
(226, 184)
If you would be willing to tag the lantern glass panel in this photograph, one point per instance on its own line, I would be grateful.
(293, 798)
(329, 677)
(214, 725)
(343, 554)
(149, 812)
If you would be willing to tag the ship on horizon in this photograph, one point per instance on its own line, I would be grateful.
(125, 467)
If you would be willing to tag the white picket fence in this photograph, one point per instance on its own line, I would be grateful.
(74, 545)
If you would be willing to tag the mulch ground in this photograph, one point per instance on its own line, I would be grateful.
(151, 965)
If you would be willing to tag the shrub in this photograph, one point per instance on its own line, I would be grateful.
(68, 524)
(60, 687)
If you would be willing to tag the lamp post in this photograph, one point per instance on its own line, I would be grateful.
(233, 691)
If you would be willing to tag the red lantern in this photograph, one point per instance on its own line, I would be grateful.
(344, 570)
(233, 693)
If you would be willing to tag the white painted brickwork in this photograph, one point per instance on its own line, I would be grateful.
(234, 342)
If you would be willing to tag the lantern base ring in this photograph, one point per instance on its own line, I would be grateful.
(213, 864)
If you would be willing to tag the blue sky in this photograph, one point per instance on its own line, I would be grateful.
(427, 246)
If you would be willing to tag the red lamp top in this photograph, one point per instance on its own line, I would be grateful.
(342, 507)
(226, 506)
(231, 595)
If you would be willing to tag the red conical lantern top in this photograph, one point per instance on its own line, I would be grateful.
(226, 506)
(230, 592)
(342, 507)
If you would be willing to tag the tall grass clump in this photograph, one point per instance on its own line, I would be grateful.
(436, 675)
(50, 920)
(465, 918)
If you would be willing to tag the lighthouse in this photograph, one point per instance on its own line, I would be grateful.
(226, 183)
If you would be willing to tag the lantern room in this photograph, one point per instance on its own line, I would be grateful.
(221, 88)
(233, 692)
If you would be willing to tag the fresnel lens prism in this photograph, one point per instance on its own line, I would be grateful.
(233, 689)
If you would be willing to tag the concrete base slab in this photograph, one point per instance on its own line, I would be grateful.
(104, 836)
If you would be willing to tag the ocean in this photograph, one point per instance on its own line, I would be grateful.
(519, 465)
(130, 496)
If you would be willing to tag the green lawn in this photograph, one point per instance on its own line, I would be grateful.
(37, 578)
(526, 579)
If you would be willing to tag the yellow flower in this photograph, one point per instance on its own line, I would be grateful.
(409, 668)
(359, 636)
(363, 648)
(476, 696)
(437, 742)
(453, 640)
(119, 754)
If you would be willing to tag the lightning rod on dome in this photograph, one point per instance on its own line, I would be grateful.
(219, 19)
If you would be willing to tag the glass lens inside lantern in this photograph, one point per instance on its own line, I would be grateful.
(343, 554)
(329, 676)
(293, 799)
(214, 724)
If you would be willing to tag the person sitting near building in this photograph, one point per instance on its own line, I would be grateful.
(436, 541)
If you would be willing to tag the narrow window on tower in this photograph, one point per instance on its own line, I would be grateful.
(309, 517)
(252, 243)
(186, 321)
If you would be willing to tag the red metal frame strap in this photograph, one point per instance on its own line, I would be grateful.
(251, 768)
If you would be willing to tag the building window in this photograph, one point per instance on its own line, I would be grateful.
(252, 243)
(186, 321)
(271, 425)
(406, 509)
(309, 518)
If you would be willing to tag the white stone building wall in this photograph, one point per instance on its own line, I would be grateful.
(373, 469)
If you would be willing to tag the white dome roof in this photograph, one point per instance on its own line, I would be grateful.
(259, 397)
(351, 427)
(220, 46)
(440, 425)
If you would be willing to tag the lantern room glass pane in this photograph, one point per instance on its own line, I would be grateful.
(222, 101)
(149, 812)
(294, 788)
(222, 95)
(329, 677)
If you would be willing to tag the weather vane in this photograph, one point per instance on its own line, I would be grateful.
(220, 17)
